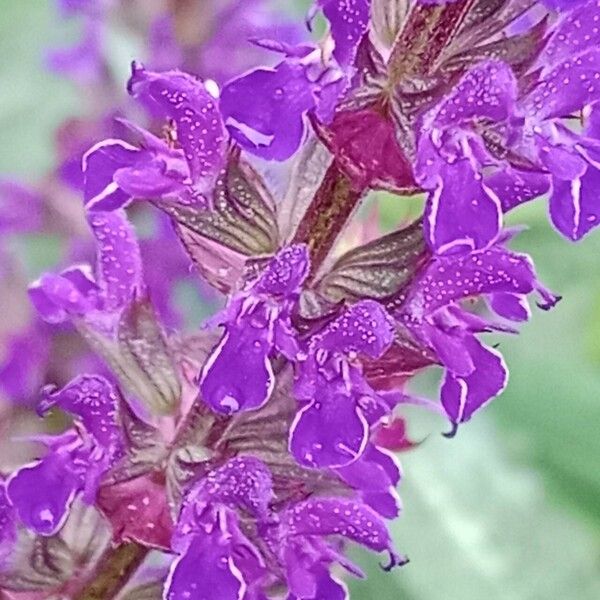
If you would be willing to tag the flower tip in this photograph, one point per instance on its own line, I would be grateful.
(547, 300)
(136, 68)
(396, 560)
(452, 433)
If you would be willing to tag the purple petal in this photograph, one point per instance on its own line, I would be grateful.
(83, 61)
(242, 483)
(516, 187)
(561, 161)
(285, 273)
(206, 571)
(331, 431)
(574, 206)
(564, 4)
(238, 375)
(23, 363)
(272, 125)
(315, 582)
(569, 87)
(592, 127)
(575, 32)
(332, 516)
(100, 163)
(348, 22)
(487, 91)
(185, 100)
(72, 7)
(493, 270)
(93, 399)
(511, 306)
(119, 264)
(365, 328)
(448, 344)
(462, 396)
(21, 208)
(58, 297)
(164, 50)
(42, 493)
(375, 474)
(462, 213)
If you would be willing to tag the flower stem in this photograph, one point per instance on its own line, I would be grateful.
(332, 205)
(115, 569)
(426, 32)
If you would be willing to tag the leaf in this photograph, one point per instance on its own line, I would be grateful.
(387, 17)
(307, 174)
(518, 51)
(476, 526)
(378, 269)
(146, 448)
(139, 357)
(240, 223)
(148, 362)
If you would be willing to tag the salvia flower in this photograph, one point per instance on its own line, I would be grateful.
(42, 492)
(238, 375)
(332, 425)
(116, 171)
(233, 532)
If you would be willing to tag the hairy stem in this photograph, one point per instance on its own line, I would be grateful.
(115, 569)
(332, 205)
(427, 30)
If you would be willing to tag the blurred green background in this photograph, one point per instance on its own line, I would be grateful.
(510, 509)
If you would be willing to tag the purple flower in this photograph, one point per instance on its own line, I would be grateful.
(250, 457)
(41, 493)
(238, 375)
(23, 363)
(115, 171)
(273, 126)
(221, 47)
(569, 82)
(21, 208)
(208, 535)
(348, 20)
(563, 4)
(77, 294)
(83, 62)
(293, 538)
(462, 212)
(431, 311)
(331, 428)
(485, 108)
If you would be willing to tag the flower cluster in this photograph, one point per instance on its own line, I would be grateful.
(250, 451)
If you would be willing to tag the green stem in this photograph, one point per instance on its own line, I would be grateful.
(426, 32)
(332, 205)
(115, 569)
